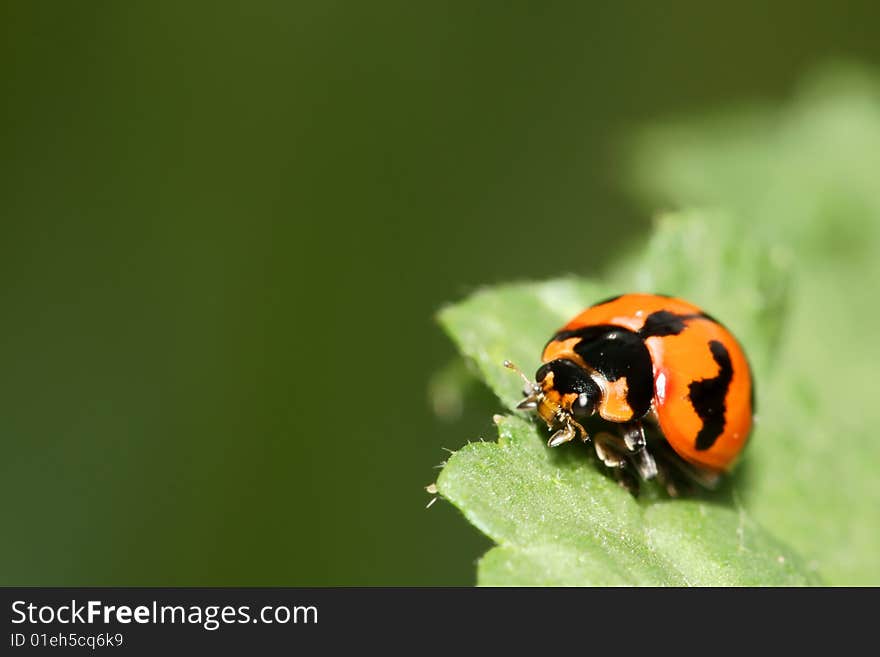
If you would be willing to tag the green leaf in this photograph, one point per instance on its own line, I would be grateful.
(558, 518)
(803, 180)
(560, 521)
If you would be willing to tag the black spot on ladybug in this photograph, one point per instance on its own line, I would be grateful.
(568, 377)
(708, 397)
(663, 323)
(616, 352)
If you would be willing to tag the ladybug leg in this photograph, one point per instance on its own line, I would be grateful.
(614, 452)
(610, 449)
(563, 435)
(530, 403)
(633, 434)
(644, 462)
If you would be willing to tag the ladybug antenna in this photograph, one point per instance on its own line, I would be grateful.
(511, 366)
(532, 390)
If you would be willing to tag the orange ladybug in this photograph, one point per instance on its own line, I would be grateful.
(647, 357)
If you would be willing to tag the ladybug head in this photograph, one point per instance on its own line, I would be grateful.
(563, 394)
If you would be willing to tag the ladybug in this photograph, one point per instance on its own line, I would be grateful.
(640, 359)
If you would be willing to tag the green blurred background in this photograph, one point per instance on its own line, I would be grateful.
(227, 226)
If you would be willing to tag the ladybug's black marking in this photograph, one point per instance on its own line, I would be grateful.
(568, 377)
(616, 352)
(663, 323)
(708, 397)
